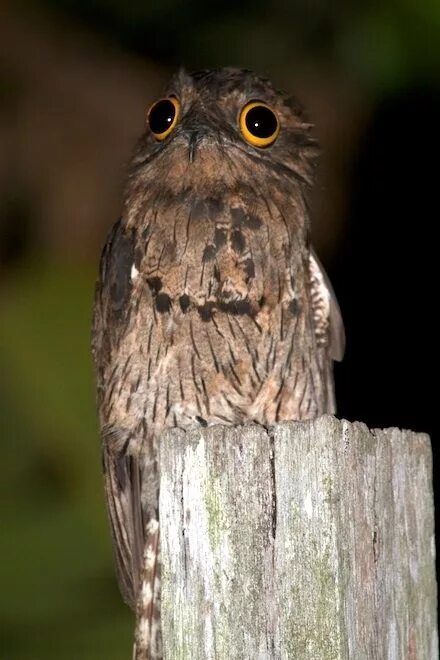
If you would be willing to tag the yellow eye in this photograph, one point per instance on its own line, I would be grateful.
(162, 117)
(259, 124)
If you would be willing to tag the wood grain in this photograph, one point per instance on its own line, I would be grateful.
(312, 541)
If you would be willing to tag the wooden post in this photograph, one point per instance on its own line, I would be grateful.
(312, 541)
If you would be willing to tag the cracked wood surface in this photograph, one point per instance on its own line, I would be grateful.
(315, 541)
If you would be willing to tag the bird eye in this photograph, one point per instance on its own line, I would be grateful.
(162, 117)
(259, 124)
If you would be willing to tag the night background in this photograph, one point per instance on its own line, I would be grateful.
(76, 78)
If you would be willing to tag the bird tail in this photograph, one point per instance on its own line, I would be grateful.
(148, 638)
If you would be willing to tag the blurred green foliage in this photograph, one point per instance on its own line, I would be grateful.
(375, 44)
(59, 597)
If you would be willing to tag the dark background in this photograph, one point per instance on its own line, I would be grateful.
(75, 80)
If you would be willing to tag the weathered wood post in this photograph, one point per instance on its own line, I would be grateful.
(313, 541)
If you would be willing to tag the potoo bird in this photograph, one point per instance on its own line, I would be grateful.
(211, 306)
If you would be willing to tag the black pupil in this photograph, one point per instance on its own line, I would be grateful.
(261, 122)
(161, 116)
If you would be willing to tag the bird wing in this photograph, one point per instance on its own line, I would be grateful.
(329, 326)
(122, 476)
(122, 470)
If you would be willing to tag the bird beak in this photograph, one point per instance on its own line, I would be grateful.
(192, 145)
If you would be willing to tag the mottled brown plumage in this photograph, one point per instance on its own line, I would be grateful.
(211, 307)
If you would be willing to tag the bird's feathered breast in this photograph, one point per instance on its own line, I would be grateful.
(230, 226)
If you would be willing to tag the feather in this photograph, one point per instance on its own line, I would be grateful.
(326, 311)
(123, 490)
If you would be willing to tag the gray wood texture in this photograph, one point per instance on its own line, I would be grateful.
(312, 541)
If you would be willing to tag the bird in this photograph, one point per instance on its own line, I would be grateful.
(211, 306)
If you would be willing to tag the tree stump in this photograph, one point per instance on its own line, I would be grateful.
(314, 540)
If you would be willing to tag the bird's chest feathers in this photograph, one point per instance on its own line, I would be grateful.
(218, 251)
(217, 305)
